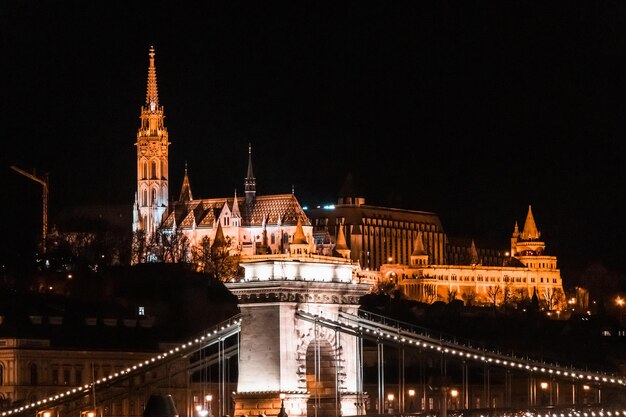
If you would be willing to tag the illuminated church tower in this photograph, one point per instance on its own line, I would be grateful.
(528, 247)
(152, 170)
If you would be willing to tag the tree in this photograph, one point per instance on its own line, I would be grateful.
(492, 292)
(176, 247)
(430, 293)
(552, 298)
(507, 293)
(139, 247)
(385, 287)
(468, 298)
(214, 258)
(451, 295)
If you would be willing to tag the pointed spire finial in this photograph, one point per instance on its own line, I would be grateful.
(418, 246)
(250, 182)
(152, 95)
(341, 243)
(185, 190)
(298, 236)
(236, 212)
(530, 231)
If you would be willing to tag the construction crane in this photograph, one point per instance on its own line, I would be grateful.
(43, 180)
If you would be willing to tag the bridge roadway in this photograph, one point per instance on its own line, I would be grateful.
(210, 337)
(371, 327)
(388, 331)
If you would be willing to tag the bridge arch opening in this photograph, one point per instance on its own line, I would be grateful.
(321, 379)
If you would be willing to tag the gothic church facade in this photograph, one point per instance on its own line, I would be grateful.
(252, 224)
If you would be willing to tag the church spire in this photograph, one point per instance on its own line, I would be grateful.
(235, 210)
(152, 94)
(530, 231)
(250, 182)
(185, 191)
(152, 159)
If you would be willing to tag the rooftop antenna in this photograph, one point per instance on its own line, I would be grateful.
(43, 180)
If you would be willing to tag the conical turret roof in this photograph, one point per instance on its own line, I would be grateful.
(530, 231)
(235, 211)
(298, 237)
(341, 240)
(185, 190)
(418, 246)
(474, 259)
(219, 241)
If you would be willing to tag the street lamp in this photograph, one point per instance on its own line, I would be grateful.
(390, 398)
(619, 301)
(208, 398)
(454, 393)
(411, 405)
(282, 412)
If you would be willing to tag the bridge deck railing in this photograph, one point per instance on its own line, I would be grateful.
(390, 331)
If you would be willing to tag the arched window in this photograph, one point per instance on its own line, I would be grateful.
(33, 374)
(145, 171)
(145, 198)
(154, 170)
(153, 196)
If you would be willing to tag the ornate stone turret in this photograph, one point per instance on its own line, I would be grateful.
(152, 159)
(250, 182)
(527, 246)
(527, 242)
(530, 231)
(299, 244)
(236, 213)
(419, 256)
(474, 258)
(341, 246)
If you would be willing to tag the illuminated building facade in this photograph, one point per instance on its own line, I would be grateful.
(527, 272)
(375, 234)
(33, 369)
(252, 224)
(152, 162)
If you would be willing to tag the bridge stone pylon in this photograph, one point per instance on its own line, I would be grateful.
(317, 369)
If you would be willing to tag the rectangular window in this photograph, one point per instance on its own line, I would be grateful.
(55, 377)
(78, 377)
(142, 311)
(66, 377)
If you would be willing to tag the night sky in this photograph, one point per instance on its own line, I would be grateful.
(471, 110)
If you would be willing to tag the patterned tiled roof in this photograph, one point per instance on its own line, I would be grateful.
(271, 208)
